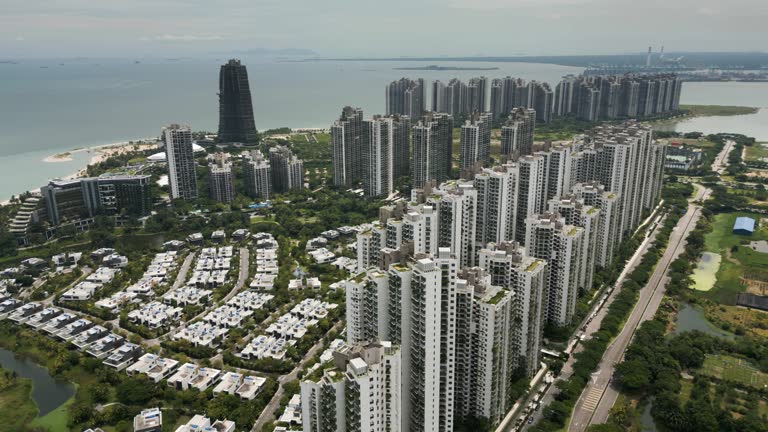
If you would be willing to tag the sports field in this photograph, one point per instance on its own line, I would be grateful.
(735, 370)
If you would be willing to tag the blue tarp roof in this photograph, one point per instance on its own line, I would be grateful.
(744, 223)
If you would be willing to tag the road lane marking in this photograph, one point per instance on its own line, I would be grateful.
(593, 399)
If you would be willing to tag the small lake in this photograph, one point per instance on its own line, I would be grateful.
(690, 318)
(47, 392)
(705, 274)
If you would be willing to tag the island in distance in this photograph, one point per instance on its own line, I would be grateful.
(446, 68)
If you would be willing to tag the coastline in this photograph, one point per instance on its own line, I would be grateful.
(102, 151)
(97, 153)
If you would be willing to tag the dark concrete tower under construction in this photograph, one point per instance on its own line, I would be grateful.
(235, 108)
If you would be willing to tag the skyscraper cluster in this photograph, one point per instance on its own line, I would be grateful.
(509, 93)
(608, 97)
(236, 122)
(374, 152)
(589, 98)
(457, 284)
(458, 98)
(282, 172)
(406, 97)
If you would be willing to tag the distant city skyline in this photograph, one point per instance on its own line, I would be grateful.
(36, 28)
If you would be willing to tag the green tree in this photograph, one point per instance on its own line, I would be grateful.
(137, 391)
(633, 375)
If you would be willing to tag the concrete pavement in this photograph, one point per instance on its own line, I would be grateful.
(599, 396)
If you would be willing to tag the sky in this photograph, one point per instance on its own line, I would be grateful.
(385, 28)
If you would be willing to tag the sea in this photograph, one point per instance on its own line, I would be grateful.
(50, 107)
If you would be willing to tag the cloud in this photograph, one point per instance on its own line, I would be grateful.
(19, 38)
(506, 4)
(182, 38)
(708, 11)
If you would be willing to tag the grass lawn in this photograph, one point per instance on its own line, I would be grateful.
(694, 142)
(686, 387)
(16, 406)
(721, 240)
(756, 152)
(717, 110)
(735, 370)
(312, 147)
(262, 219)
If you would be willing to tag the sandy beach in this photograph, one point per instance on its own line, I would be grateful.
(59, 157)
(102, 152)
(97, 154)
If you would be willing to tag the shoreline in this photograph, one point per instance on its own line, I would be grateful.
(98, 153)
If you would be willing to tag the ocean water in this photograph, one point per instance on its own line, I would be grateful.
(51, 106)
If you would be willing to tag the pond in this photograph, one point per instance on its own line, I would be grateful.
(691, 318)
(705, 274)
(47, 392)
(142, 241)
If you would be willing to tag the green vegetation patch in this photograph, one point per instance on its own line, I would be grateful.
(756, 153)
(56, 420)
(733, 369)
(16, 406)
(717, 110)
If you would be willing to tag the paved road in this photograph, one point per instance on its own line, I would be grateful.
(242, 277)
(86, 272)
(593, 325)
(181, 276)
(599, 396)
(721, 161)
(268, 414)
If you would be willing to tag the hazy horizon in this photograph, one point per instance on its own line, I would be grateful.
(343, 28)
